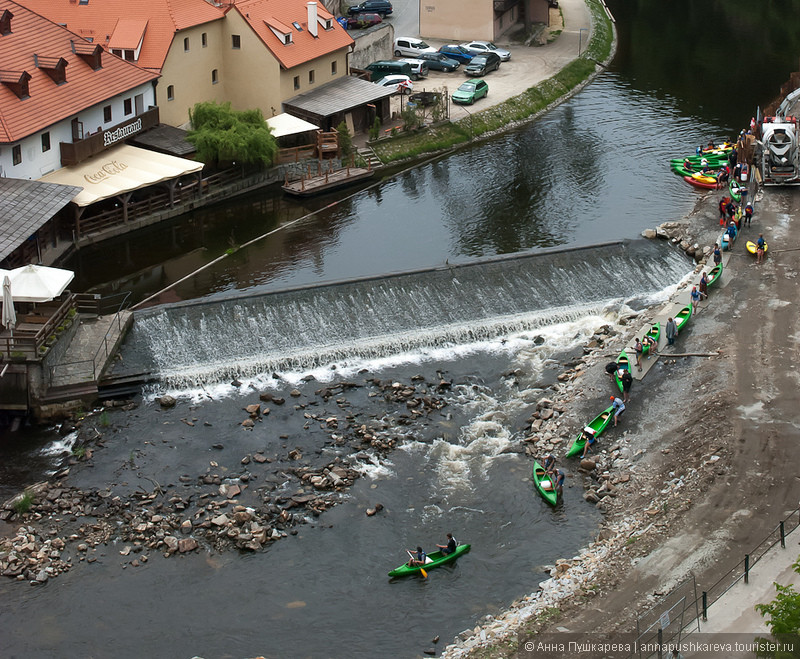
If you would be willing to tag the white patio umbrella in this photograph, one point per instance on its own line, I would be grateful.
(38, 283)
(9, 317)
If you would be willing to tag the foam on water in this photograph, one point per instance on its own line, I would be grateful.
(62, 446)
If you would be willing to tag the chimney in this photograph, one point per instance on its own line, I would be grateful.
(312, 18)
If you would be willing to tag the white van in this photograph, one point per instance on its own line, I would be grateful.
(411, 47)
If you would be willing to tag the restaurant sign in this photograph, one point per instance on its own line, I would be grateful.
(121, 132)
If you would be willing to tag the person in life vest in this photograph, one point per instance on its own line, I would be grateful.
(418, 557)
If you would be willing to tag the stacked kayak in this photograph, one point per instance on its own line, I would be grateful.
(699, 180)
(435, 559)
(598, 425)
(544, 484)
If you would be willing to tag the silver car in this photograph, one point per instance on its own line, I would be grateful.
(479, 47)
(419, 68)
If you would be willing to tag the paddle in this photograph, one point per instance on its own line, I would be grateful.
(424, 574)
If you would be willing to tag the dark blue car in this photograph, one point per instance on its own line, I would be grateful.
(456, 52)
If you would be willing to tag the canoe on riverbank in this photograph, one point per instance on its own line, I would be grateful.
(436, 559)
(683, 316)
(653, 333)
(714, 274)
(624, 363)
(598, 424)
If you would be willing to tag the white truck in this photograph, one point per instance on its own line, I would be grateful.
(779, 150)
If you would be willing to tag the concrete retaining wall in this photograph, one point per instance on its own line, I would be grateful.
(372, 44)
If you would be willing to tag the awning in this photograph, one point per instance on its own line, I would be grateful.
(121, 169)
(285, 124)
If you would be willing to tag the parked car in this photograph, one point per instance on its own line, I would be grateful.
(478, 47)
(382, 7)
(482, 64)
(419, 68)
(400, 84)
(456, 52)
(361, 21)
(439, 62)
(411, 47)
(470, 91)
(387, 67)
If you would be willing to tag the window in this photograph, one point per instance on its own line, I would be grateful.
(297, 82)
(186, 45)
(311, 77)
(127, 106)
(204, 40)
(107, 113)
(214, 77)
(236, 41)
(45, 142)
(16, 154)
(171, 93)
(130, 56)
(333, 68)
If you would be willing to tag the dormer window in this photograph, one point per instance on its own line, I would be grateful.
(283, 32)
(16, 81)
(5, 22)
(54, 67)
(92, 54)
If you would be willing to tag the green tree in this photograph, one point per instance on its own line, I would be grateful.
(784, 622)
(223, 135)
(345, 141)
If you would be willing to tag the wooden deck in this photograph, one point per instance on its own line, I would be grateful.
(327, 181)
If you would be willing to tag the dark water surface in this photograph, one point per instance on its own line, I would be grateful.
(594, 169)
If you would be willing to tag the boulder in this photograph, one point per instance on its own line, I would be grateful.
(253, 410)
(650, 234)
(187, 544)
(167, 401)
(171, 542)
(587, 464)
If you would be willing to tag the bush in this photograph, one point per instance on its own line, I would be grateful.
(345, 141)
(23, 503)
(375, 130)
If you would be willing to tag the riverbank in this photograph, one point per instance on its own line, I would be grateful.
(545, 90)
(702, 434)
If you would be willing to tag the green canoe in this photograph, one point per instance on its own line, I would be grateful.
(714, 274)
(654, 333)
(735, 190)
(683, 316)
(622, 363)
(436, 559)
(598, 424)
(539, 480)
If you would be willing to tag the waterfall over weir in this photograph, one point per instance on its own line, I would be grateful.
(202, 342)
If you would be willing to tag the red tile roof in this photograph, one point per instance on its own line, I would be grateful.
(304, 47)
(34, 38)
(99, 20)
(128, 33)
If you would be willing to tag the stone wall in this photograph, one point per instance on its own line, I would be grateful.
(372, 44)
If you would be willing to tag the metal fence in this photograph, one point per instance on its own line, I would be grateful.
(678, 613)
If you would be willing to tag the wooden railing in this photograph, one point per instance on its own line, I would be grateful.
(25, 344)
(297, 153)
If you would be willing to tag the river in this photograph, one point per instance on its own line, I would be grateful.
(592, 170)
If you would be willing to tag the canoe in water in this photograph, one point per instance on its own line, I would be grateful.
(683, 316)
(701, 184)
(543, 483)
(598, 424)
(753, 248)
(436, 559)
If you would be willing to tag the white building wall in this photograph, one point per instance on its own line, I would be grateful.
(36, 163)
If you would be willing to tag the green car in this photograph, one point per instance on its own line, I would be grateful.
(471, 91)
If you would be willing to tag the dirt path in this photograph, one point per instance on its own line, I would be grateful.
(730, 420)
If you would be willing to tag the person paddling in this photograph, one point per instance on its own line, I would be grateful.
(418, 558)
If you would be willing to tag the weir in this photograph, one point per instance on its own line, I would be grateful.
(206, 341)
